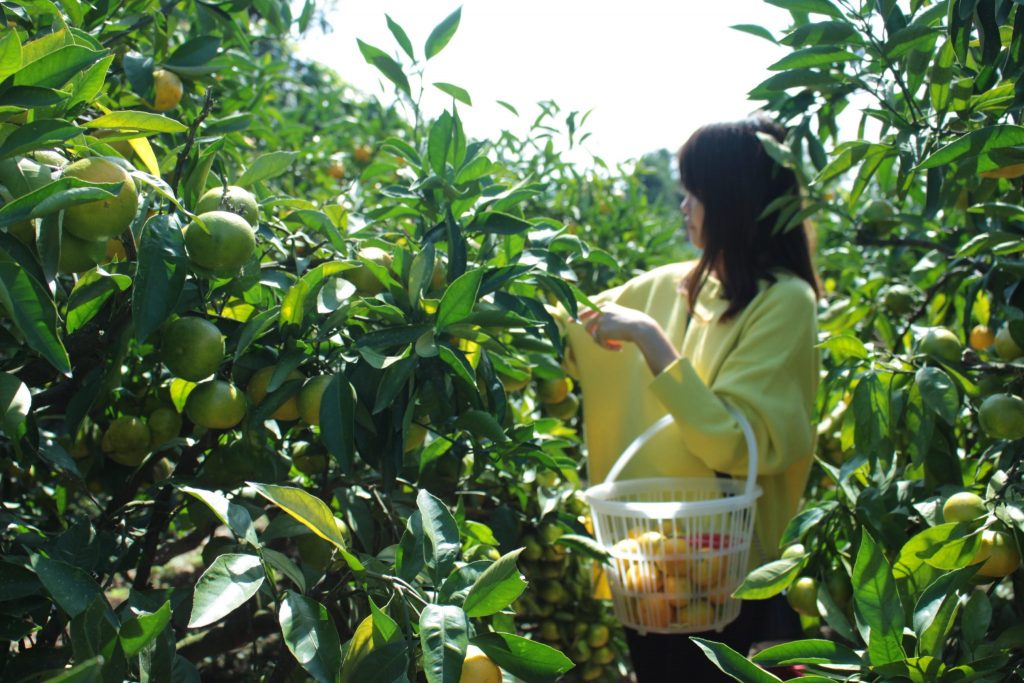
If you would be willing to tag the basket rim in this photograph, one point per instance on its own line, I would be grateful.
(597, 497)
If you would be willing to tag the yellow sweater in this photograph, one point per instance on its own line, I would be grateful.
(763, 362)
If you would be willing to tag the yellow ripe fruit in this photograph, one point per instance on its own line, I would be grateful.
(553, 390)
(677, 591)
(257, 391)
(103, 218)
(169, 89)
(655, 611)
(963, 507)
(310, 397)
(675, 551)
(981, 337)
(999, 552)
(696, 614)
(643, 578)
(629, 547)
(710, 572)
(216, 404)
(479, 668)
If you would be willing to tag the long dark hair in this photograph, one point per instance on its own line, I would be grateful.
(726, 167)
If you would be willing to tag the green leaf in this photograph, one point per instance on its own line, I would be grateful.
(523, 658)
(10, 54)
(312, 513)
(444, 636)
(143, 628)
(233, 515)
(88, 671)
(945, 546)
(754, 30)
(938, 392)
(455, 91)
(442, 33)
(54, 197)
(812, 651)
(815, 56)
(496, 588)
(385, 629)
(338, 421)
(228, 583)
(797, 78)
(196, 52)
(32, 310)
(310, 635)
(302, 294)
(439, 142)
(770, 579)
(823, 33)
(936, 609)
(400, 36)
(975, 143)
(159, 276)
(15, 404)
(877, 603)
(816, 6)
(137, 122)
(358, 648)
(70, 587)
(442, 530)
(37, 135)
(266, 166)
(92, 290)
(58, 67)
(844, 347)
(732, 663)
(482, 424)
(391, 69)
(458, 299)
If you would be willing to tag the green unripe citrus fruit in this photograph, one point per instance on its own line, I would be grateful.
(192, 348)
(1002, 416)
(310, 396)
(553, 390)
(362, 277)
(963, 507)
(223, 243)
(257, 391)
(565, 409)
(126, 440)
(795, 550)
(899, 299)
(1006, 346)
(803, 596)
(78, 255)
(103, 218)
(216, 404)
(942, 344)
(598, 635)
(237, 200)
(164, 425)
(308, 458)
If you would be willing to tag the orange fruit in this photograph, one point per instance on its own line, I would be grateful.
(192, 348)
(216, 404)
(222, 243)
(362, 154)
(257, 391)
(310, 396)
(168, 88)
(103, 218)
(236, 200)
(643, 578)
(981, 337)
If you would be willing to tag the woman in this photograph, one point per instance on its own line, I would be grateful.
(737, 326)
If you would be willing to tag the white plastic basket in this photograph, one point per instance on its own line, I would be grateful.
(679, 547)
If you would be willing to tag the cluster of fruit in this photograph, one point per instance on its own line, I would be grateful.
(666, 581)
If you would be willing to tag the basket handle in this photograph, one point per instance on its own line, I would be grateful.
(640, 441)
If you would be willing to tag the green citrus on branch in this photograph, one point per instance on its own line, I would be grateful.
(803, 596)
(219, 241)
(78, 255)
(554, 390)
(899, 299)
(310, 397)
(963, 507)
(257, 391)
(103, 218)
(795, 550)
(164, 425)
(1002, 416)
(1006, 346)
(192, 348)
(598, 635)
(236, 200)
(307, 458)
(216, 404)
(362, 277)
(126, 440)
(941, 344)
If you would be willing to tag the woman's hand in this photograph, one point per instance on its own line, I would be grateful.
(613, 325)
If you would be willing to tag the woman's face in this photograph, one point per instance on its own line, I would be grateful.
(693, 212)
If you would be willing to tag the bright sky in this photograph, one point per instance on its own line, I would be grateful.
(651, 70)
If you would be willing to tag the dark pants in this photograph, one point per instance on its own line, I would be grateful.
(666, 657)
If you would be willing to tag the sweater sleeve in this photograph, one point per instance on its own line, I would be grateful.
(770, 376)
(563, 320)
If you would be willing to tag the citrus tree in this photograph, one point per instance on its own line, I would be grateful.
(282, 400)
(905, 561)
